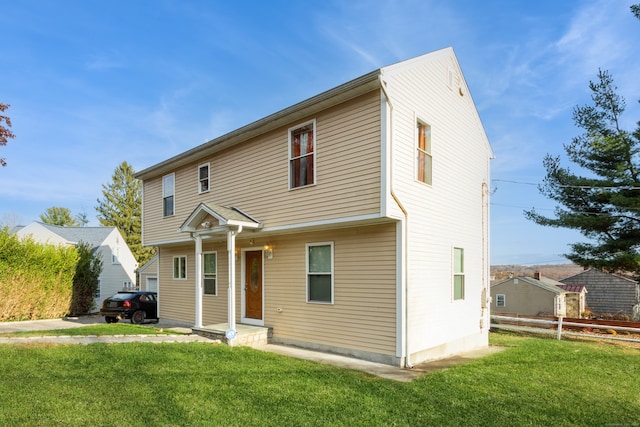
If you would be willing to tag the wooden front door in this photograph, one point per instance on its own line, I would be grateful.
(253, 284)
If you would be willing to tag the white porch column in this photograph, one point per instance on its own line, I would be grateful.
(198, 239)
(231, 248)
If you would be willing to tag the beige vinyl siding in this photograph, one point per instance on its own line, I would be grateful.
(447, 214)
(177, 297)
(363, 315)
(254, 175)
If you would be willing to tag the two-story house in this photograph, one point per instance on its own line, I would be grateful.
(356, 221)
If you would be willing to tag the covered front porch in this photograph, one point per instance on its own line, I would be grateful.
(220, 223)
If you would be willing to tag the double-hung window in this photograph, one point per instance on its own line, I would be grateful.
(180, 267)
(320, 272)
(203, 178)
(168, 191)
(424, 160)
(458, 273)
(210, 273)
(302, 149)
(501, 300)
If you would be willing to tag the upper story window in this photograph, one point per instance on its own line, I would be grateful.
(203, 178)
(168, 191)
(302, 148)
(501, 300)
(424, 173)
(458, 273)
(114, 256)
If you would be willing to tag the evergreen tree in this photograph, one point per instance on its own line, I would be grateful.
(56, 215)
(603, 203)
(121, 207)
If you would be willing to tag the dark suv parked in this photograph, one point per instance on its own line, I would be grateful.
(137, 306)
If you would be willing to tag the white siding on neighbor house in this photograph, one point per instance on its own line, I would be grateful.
(447, 214)
(114, 276)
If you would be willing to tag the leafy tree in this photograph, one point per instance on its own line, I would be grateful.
(635, 9)
(85, 280)
(603, 203)
(122, 207)
(59, 216)
(5, 133)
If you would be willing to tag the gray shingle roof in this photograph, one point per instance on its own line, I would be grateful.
(94, 236)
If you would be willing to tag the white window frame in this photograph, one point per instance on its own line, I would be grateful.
(290, 131)
(500, 297)
(180, 276)
(201, 180)
(215, 276)
(427, 153)
(331, 273)
(166, 194)
(114, 256)
(455, 274)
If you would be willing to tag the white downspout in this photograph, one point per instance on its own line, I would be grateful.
(405, 257)
(198, 240)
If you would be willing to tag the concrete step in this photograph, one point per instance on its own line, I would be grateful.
(246, 335)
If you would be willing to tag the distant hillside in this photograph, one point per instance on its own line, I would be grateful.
(552, 271)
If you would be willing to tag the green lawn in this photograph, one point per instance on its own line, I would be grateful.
(537, 381)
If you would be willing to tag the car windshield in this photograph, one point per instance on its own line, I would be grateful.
(121, 297)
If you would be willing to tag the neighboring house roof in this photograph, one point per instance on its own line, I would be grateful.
(544, 283)
(591, 271)
(573, 288)
(94, 236)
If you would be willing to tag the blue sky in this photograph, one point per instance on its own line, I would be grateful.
(94, 83)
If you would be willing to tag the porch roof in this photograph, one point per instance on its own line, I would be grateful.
(207, 218)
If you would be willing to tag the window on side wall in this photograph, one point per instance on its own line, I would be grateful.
(302, 149)
(424, 160)
(501, 300)
(210, 262)
(168, 191)
(203, 178)
(320, 272)
(458, 273)
(179, 267)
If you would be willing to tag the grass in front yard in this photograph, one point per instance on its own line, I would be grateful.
(99, 329)
(535, 382)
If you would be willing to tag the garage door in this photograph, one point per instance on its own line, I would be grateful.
(152, 284)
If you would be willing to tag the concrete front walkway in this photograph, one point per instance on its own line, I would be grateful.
(378, 369)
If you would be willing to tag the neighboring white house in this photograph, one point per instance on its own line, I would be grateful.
(118, 263)
(356, 221)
